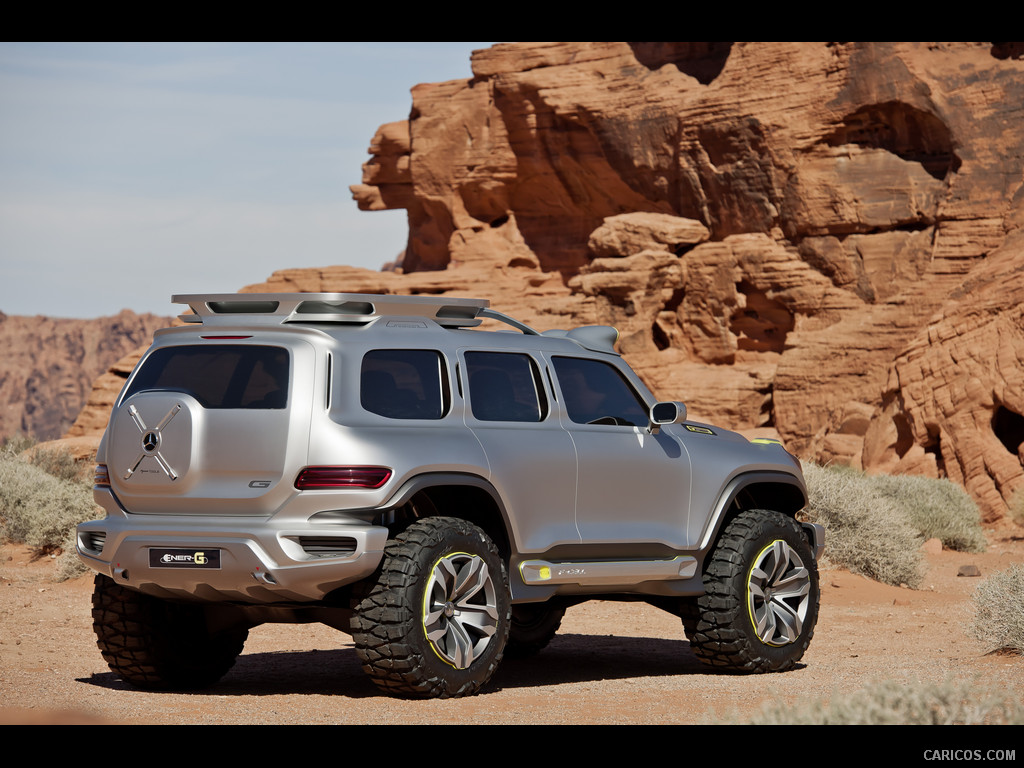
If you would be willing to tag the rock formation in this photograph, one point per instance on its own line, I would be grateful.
(49, 365)
(843, 265)
(816, 239)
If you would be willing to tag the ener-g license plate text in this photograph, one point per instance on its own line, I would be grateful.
(184, 558)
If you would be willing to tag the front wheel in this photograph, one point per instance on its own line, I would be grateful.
(434, 621)
(761, 595)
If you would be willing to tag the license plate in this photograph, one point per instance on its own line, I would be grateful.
(184, 558)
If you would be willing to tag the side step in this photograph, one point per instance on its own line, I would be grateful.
(620, 573)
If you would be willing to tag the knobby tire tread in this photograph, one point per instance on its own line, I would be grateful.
(384, 617)
(141, 644)
(719, 628)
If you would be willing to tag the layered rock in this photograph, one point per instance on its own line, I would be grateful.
(954, 398)
(817, 240)
(49, 365)
(848, 191)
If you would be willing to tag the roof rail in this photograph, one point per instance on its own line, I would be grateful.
(279, 308)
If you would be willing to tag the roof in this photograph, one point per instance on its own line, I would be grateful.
(359, 308)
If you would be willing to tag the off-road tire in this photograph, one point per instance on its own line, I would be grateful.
(419, 581)
(157, 645)
(724, 634)
(534, 625)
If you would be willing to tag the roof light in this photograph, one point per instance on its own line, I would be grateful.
(326, 478)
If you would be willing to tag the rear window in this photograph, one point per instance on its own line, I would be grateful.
(219, 375)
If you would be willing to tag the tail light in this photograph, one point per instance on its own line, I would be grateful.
(324, 478)
(100, 476)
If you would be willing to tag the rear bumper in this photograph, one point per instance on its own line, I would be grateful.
(259, 562)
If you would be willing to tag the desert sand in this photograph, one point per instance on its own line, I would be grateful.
(612, 663)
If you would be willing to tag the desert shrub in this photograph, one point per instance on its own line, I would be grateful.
(939, 509)
(895, 702)
(16, 444)
(1017, 507)
(60, 463)
(57, 461)
(41, 510)
(867, 531)
(999, 610)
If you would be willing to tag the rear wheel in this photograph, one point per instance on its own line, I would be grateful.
(434, 622)
(761, 594)
(534, 625)
(159, 645)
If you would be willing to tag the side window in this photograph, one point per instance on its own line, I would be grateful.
(596, 393)
(404, 384)
(504, 386)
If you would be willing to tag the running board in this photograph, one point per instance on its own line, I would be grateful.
(620, 573)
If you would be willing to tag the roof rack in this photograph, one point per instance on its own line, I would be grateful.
(279, 308)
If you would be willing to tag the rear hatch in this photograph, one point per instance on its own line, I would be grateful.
(212, 428)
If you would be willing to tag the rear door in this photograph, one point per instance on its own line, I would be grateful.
(531, 459)
(212, 428)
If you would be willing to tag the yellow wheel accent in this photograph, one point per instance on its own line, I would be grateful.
(460, 608)
(778, 594)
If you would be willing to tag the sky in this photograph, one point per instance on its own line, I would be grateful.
(132, 171)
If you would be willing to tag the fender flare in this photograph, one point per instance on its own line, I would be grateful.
(428, 480)
(792, 495)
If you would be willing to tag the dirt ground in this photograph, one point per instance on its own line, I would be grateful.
(612, 663)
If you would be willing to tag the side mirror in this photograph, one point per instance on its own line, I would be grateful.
(669, 412)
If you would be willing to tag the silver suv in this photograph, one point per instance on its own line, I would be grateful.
(439, 492)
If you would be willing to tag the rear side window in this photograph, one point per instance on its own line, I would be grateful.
(504, 386)
(219, 375)
(404, 384)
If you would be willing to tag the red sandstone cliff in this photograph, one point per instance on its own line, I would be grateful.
(49, 366)
(817, 238)
(860, 283)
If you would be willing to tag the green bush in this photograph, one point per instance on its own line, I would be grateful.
(42, 511)
(999, 610)
(895, 702)
(939, 509)
(866, 530)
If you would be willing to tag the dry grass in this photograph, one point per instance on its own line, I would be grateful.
(999, 610)
(61, 464)
(866, 530)
(876, 523)
(939, 509)
(42, 511)
(897, 703)
(57, 462)
(1017, 507)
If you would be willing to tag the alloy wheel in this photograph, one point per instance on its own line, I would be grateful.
(460, 614)
(778, 594)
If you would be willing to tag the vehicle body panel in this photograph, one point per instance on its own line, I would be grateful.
(577, 496)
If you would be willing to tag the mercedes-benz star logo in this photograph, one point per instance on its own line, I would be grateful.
(151, 441)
